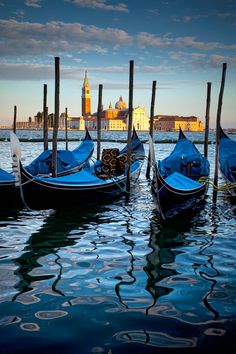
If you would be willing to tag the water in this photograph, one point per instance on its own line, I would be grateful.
(115, 279)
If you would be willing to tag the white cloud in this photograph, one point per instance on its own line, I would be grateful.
(100, 4)
(33, 3)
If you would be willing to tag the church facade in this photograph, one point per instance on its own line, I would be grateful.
(111, 118)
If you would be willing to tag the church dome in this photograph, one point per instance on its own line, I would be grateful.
(121, 104)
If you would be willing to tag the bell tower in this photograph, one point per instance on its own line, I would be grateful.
(86, 98)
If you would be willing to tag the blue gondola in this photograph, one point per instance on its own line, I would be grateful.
(227, 161)
(67, 161)
(92, 185)
(176, 184)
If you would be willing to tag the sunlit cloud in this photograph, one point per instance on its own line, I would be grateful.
(100, 4)
(22, 38)
(33, 3)
(201, 60)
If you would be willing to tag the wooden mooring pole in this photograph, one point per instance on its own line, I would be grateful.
(151, 125)
(66, 128)
(56, 116)
(207, 119)
(224, 67)
(99, 114)
(45, 118)
(14, 119)
(130, 124)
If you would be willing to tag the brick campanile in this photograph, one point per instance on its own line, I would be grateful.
(86, 98)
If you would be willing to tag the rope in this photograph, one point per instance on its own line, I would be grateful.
(223, 187)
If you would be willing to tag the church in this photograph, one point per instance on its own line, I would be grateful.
(112, 118)
(116, 118)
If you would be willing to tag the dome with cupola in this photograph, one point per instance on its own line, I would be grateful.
(121, 104)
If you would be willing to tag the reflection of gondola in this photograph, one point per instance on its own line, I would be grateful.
(161, 237)
(48, 240)
(176, 186)
(87, 186)
(227, 161)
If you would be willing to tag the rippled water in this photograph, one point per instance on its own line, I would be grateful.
(115, 279)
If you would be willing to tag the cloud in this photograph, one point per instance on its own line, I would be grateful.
(19, 38)
(100, 4)
(202, 60)
(58, 38)
(145, 39)
(189, 18)
(33, 3)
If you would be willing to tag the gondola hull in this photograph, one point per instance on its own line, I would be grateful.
(171, 202)
(40, 193)
(177, 193)
(227, 162)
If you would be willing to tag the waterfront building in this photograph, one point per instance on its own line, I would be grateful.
(173, 123)
(117, 118)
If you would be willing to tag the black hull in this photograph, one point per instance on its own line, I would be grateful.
(172, 202)
(40, 195)
(9, 195)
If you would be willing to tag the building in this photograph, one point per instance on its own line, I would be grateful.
(173, 123)
(86, 97)
(117, 118)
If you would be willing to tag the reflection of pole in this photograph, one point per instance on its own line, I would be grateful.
(130, 123)
(99, 114)
(218, 131)
(129, 272)
(151, 125)
(207, 118)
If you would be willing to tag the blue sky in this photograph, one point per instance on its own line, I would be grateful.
(181, 44)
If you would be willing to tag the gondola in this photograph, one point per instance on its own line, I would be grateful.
(68, 161)
(179, 182)
(8, 191)
(227, 161)
(100, 182)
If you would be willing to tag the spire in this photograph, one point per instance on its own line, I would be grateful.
(86, 79)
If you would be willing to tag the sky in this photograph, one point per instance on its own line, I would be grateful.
(180, 44)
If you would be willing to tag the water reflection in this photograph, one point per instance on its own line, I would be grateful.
(165, 239)
(46, 244)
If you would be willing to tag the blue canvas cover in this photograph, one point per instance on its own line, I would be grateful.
(79, 178)
(180, 181)
(185, 159)
(84, 151)
(227, 158)
(66, 159)
(137, 148)
(6, 176)
(42, 164)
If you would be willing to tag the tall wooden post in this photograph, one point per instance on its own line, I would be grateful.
(130, 123)
(45, 118)
(66, 128)
(14, 119)
(151, 125)
(224, 67)
(56, 116)
(99, 114)
(207, 118)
